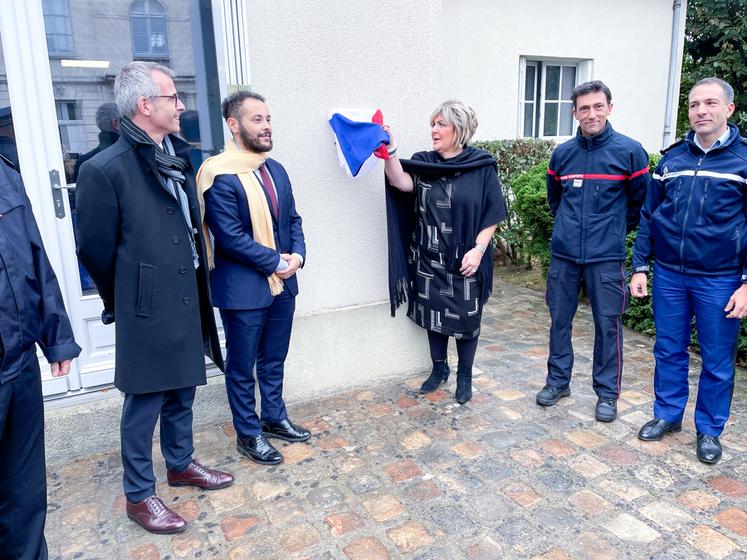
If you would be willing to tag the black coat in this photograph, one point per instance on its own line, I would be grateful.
(31, 307)
(132, 238)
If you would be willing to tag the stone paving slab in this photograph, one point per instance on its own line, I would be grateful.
(390, 474)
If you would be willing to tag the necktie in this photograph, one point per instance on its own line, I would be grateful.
(267, 185)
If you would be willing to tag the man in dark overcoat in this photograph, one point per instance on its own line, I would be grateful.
(31, 312)
(138, 237)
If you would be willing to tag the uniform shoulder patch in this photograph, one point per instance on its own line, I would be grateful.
(677, 143)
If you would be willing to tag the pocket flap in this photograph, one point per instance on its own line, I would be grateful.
(612, 277)
(9, 199)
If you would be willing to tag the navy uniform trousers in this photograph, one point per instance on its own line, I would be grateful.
(140, 413)
(261, 337)
(608, 293)
(677, 297)
(23, 483)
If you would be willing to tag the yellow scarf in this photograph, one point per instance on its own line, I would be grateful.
(242, 164)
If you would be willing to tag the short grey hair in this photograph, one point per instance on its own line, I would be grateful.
(105, 114)
(462, 117)
(728, 90)
(135, 80)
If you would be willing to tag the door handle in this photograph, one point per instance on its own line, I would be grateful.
(59, 205)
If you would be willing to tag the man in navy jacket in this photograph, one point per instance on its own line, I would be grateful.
(31, 312)
(694, 225)
(596, 184)
(254, 281)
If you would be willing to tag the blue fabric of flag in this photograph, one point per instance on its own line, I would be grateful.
(357, 140)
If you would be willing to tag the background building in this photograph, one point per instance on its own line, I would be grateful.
(515, 62)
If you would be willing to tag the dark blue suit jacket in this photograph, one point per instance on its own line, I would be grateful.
(239, 280)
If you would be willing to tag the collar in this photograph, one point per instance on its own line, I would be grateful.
(719, 142)
(596, 141)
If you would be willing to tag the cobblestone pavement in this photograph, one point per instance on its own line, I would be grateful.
(391, 474)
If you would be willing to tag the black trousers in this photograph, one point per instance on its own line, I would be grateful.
(608, 293)
(139, 416)
(466, 350)
(23, 482)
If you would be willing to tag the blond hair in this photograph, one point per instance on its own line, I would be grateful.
(462, 117)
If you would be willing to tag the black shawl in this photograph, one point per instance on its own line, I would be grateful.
(401, 215)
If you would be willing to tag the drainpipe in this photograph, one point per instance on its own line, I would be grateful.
(674, 66)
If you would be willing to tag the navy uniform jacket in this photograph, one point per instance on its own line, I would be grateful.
(595, 188)
(695, 216)
(31, 306)
(239, 280)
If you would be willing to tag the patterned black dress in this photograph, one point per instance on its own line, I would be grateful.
(455, 199)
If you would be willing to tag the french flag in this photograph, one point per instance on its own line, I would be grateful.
(360, 139)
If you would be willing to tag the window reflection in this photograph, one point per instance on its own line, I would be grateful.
(148, 27)
(57, 27)
(88, 42)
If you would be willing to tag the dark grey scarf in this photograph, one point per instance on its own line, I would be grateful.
(172, 168)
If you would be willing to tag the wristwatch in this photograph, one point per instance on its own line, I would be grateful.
(480, 247)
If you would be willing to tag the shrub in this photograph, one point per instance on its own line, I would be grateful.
(514, 157)
(534, 214)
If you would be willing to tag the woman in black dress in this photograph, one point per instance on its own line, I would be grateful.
(457, 206)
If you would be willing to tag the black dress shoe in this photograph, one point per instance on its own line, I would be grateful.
(285, 430)
(259, 450)
(709, 449)
(550, 395)
(439, 374)
(654, 430)
(606, 410)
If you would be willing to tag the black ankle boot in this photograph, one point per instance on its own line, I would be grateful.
(464, 386)
(439, 374)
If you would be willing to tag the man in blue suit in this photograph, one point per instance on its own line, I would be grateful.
(259, 247)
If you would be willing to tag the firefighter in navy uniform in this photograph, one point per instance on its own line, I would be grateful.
(694, 225)
(596, 184)
(31, 312)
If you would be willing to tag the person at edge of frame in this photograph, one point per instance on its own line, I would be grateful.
(694, 226)
(31, 312)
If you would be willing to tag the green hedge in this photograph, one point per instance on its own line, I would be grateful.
(514, 157)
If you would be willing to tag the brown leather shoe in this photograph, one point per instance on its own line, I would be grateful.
(153, 516)
(201, 476)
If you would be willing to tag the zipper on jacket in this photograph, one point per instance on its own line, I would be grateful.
(595, 202)
(739, 244)
(702, 201)
(687, 213)
(584, 196)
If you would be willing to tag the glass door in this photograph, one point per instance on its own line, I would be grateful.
(57, 68)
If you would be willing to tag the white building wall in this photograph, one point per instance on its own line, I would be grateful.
(308, 58)
(628, 42)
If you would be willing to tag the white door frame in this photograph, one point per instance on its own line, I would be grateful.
(39, 150)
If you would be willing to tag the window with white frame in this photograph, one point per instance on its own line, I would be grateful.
(546, 85)
(71, 126)
(57, 27)
(148, 28)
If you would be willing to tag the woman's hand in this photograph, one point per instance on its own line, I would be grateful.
(393, 168)
(471, 262)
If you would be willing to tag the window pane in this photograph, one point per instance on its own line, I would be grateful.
(529, 87)
(566, 119)
(550, 127)
(552, 82)
(569, 80)
(528, 120)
